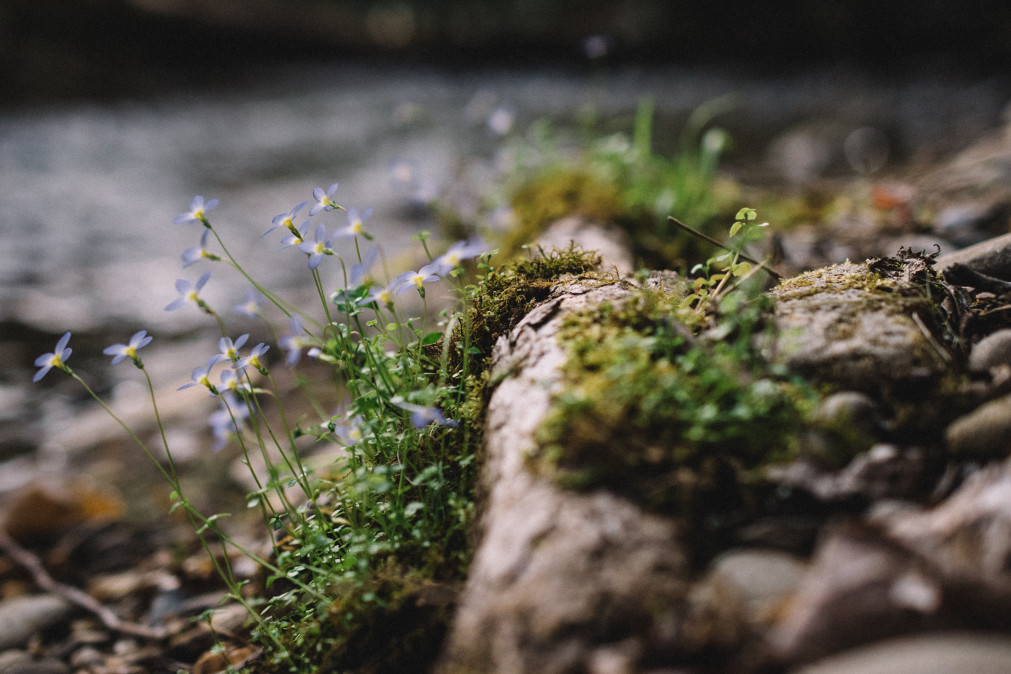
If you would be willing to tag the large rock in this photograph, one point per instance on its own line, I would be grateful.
(906, 571)
(857, 328)
(561, 580)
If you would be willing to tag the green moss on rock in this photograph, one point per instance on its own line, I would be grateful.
(665, 418)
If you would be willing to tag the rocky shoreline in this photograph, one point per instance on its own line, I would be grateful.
(894, 560)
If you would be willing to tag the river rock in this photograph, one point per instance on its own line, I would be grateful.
(982, 433)
(854, 327)
(762, 579)
(992, 351)
(968, 534)
(21, 617)
(906, 571)
(945, 653)
(21, 662)
(561, 580)
(991, 257)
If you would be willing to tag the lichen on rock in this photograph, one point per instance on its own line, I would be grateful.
(860, 326)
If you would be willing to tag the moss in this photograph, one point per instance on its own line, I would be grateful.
(555, 193)
(504, 296)
(666, 419)
(395, 617)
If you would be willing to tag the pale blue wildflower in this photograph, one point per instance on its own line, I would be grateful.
(294, 341)
(359, 273)
(122, 351)
(422, 416)
(253, 358)
(56, 358)
(324, 200)
(457, 253)
(253, 306)
(232, 380)
(197, 213)
(295, 238)
(378, 294)
(415, 279)
(286, 220)
(317, 248)
(201, 377)
(197, 253)
(356, 224)
(228, 349)
(350, 433)
(189, 292)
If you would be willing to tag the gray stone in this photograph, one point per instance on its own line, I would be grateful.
(561, 580)
(970, 223)
(610, 242)
(906, 571)
(763, 580)
(991, 257)
(945, 653)
(984, 432)
(20, 662)
(21, 617)
(992, 351)
(969, 533)
(859, 589)
(854, 328)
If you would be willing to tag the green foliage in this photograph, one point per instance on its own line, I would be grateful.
(647, 407)
(621, 179)
(715, 273)
(667, 399)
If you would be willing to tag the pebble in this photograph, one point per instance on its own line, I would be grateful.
(20, 662)
(944, 653)
(991, 351)
(991, 257)
(21, 617)
(984, 432)
(970, 223)
(762, 579)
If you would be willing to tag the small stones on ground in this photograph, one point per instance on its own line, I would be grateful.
(21, 662)
(991, 257)
(884, 472)
(762, 579)
(944, 653)
(991, 352)
(985, 432)
(23, 617)
(906, 571)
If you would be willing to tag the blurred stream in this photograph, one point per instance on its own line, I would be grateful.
(90, 190)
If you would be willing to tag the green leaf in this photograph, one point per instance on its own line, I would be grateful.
(735, 228)
(431, 338)
(348, 300)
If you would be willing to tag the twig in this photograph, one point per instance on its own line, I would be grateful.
(33, 565)
(929, 336)
(705, 237)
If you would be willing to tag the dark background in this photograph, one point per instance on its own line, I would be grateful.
(52, 49)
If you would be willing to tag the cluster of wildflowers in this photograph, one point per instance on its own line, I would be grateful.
(396, 399)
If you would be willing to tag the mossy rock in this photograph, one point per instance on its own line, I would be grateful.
(861, 326)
